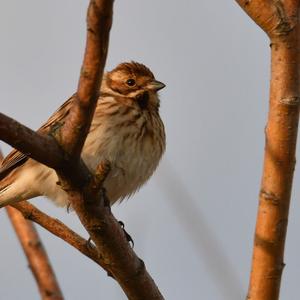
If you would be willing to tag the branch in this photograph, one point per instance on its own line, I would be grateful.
(125, 266)
(75, 130)
(31, 143)
(38, 147)
(281, 138)
(36, 256)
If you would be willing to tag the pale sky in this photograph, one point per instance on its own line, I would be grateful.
(193, 222)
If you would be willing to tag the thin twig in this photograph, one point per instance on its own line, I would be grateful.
(59, 229)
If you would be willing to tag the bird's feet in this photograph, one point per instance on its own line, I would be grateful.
(69, 207)
(127, 235)
(90, 244)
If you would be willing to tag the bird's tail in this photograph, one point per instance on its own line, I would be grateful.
(2, 185)
(6, 195)
(6, 189)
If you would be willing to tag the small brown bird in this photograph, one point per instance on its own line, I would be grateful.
(126, 130)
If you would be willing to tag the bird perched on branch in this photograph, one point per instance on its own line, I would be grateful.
(126, 130)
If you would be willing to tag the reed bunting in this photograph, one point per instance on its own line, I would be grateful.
(126, 130)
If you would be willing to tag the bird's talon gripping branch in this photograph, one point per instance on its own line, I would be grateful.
(68, 207)
(127, 235)
(90, 245)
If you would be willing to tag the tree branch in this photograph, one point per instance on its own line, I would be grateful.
(31, 143)
(278, 19)
(111, 242)
(75, 130)
(36, 256)
(38, 147)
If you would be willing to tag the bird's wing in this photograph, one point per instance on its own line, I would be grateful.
(16, 158)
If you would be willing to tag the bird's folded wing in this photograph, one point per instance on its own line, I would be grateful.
(16, 158)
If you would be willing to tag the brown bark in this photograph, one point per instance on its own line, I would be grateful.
(280, 21)
(83, 188)
(36, 256)
(33, 144)
(75, 130)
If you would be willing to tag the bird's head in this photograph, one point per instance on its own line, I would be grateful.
(136, 81)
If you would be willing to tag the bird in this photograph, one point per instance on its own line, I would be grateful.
(126, 130)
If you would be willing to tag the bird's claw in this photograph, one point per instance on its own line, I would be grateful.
(127, 235)
(89, 243)
(68, 207)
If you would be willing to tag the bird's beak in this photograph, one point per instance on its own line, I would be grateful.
(155, 85)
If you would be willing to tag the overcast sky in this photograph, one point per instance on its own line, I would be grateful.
(193, 222)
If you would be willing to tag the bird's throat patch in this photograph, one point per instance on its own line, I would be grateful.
(143, 100)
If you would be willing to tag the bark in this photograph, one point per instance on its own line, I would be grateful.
(279, 19)
(75, 130)
(33, 144)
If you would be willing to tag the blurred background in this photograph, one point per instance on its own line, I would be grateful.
(193, 222)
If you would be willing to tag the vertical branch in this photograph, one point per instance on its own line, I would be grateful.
(36, 256)
(99, 21)
(280, 21)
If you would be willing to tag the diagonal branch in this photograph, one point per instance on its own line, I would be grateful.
(32, 143)
(36, 256)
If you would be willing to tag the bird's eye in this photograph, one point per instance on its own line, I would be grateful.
(130, 82)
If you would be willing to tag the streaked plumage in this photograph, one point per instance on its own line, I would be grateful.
(126, 130)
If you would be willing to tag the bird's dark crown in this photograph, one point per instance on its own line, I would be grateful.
(134, 68)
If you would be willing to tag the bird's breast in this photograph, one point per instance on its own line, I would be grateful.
(133, 143)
